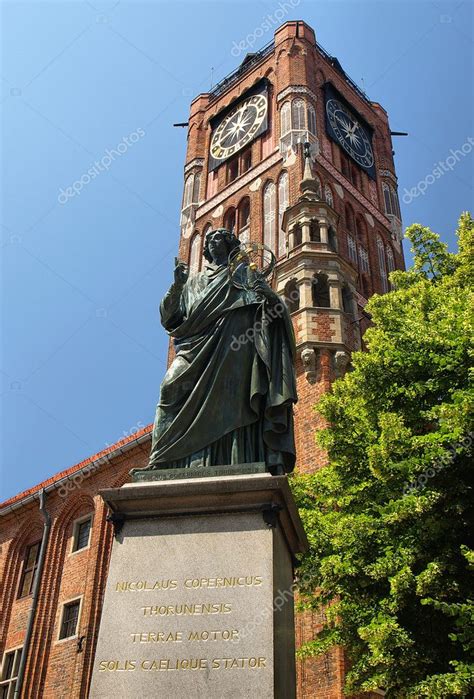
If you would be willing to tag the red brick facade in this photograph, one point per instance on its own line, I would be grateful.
(352, 206)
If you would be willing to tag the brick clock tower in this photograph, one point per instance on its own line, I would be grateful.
(328, 210)
(285, 151)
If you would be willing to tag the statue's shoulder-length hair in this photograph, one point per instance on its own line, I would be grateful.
(231, 240)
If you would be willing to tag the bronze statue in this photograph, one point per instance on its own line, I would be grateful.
(228, 396)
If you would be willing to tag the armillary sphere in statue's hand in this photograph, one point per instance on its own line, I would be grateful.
(249, 263)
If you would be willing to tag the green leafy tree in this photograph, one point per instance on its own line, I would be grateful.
(390, 518)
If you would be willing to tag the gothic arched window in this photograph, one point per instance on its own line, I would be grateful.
(311, 120)
(283, 202)
(320, 291)
(298, 121)
(390, 259)
(382, 265)
(244, 213)
(196, 187)
(349, 215)
(229, 219)
(298, 234)
(269, 215)
(328, 196)
(346, 299)
(285, 119)
(314, 231)
(188, 191)
(292, 296)
(195, 253)
(319, 186)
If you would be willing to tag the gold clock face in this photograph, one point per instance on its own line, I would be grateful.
(239, 127)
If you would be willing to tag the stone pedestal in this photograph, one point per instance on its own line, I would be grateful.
(199, 597)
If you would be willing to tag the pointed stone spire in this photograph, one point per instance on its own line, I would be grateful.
(308, 186)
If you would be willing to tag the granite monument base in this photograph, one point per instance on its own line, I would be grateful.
(199, 600)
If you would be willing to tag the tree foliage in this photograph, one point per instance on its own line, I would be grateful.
(390, 518)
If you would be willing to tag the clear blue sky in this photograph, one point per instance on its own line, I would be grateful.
(83, 353)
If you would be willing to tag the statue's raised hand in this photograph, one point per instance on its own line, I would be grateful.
(181, 272)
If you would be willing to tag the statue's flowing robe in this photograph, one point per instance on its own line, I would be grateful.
(227, 397)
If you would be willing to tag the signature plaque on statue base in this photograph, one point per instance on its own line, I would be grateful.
(199, 599)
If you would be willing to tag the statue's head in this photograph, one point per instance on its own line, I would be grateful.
(218, 245)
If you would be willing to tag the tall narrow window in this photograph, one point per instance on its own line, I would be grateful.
(212, 182)
(283, 202)
(320, 291)
(10, 665)
(332, 239)
(346, 300)
(30, 565)
(292, 296)
(298, 234)
(269, 216)
(395, 203)
(319, 186)
(392, 206)
(246, 160)
(349, 214)
(354, 176)
(361, 230)
(81, 533)
(314, 231)
(297, 115)
(390, 262)
(229, 220)
(195, 253)
(206, 230)
(233, 169)
(363, 259)
(328, 196)
(345, 168)
(285, 119)
(352, 248)
(188, 191)
(196, 187)
(382, 266)
(311, 120)
(70, 619)
(386, 198)
(244, 214)
(390, 259)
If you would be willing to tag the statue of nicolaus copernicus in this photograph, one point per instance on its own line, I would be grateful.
(228, 396)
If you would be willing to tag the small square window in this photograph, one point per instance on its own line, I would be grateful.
(11, 663)
(69, 621)
(82, 530)
(30, 564)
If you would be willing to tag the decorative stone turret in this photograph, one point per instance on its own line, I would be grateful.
(318, 284)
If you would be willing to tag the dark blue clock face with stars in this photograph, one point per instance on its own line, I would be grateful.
(351, 135)
(349, 129)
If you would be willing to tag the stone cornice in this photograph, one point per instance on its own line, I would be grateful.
(197, 162)
(296, 89)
